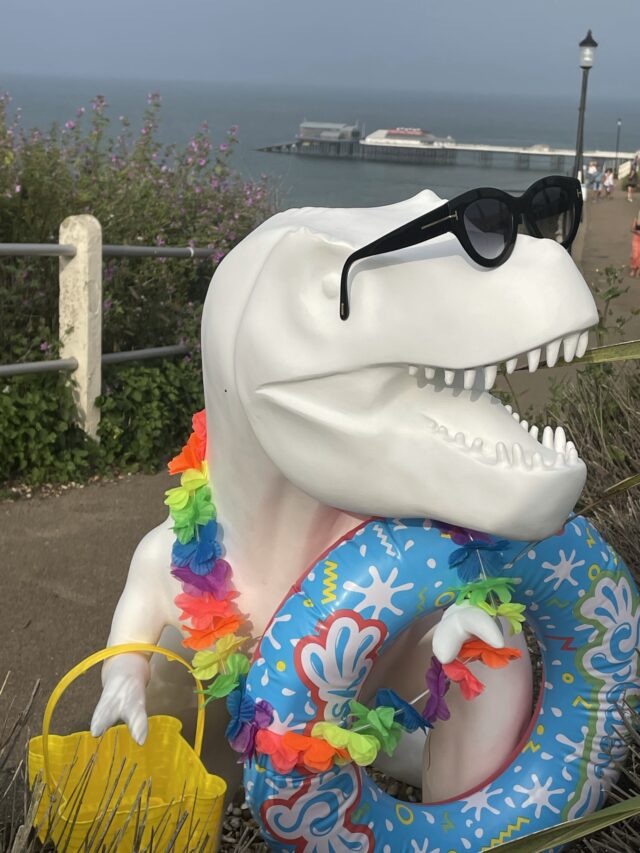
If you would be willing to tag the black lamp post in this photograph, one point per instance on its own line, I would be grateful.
(587, 47)
(615, 168)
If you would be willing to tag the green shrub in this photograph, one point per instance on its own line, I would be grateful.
(39, 441)
(146, 412)
(142, 193)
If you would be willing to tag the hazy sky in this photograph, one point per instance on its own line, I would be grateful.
(521, 46)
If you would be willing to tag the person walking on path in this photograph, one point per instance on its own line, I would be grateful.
(608, 184)
(632, 182)
(634, 261)
(597, 183)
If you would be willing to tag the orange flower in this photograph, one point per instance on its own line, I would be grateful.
(283, 757)
(317, 754)
(199, 422)
(191, 456)
(203, 638)
(470, 686)
(203, 610)
(495, 658)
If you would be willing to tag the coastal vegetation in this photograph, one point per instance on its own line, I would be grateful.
(143, 193)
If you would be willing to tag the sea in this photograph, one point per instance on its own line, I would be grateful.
(266, 114)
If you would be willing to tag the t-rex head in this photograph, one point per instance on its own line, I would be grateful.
(389, 413)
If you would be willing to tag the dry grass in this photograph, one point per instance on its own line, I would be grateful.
(601, 413)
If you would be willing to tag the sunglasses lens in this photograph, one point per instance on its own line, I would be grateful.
(489, 224)
(553, 212)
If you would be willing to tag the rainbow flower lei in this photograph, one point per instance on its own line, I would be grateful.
(211, 618)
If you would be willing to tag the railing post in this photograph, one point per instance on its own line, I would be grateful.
(80, 306)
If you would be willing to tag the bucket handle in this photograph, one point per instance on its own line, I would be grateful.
(86, 664)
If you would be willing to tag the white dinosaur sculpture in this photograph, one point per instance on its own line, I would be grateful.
(315, 424)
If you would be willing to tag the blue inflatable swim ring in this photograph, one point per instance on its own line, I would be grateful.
(321, 644)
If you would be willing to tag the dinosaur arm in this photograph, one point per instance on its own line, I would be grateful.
(145, 607)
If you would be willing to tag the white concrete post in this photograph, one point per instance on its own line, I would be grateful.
(80, 305)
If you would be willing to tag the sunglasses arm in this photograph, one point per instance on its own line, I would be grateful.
(433, 224)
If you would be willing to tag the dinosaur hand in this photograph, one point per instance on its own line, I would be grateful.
(459, 623)
(123, 696)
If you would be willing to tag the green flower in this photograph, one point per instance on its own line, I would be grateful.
(514, 614)
(478, 592)
(379, 723)
(198, 511)
(236, 666)
(362, 749)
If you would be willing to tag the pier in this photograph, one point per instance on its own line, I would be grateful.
(415, 146)
(378, 147)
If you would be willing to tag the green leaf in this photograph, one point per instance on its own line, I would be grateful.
(221, 687)
(574, 829)
(625, 351)
(237, 665)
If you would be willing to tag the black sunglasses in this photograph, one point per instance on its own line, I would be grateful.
(486, 221)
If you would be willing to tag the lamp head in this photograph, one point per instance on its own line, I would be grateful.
(587, 47)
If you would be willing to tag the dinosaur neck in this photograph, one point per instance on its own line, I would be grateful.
(271, 531)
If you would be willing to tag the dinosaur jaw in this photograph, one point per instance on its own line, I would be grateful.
(386, 440)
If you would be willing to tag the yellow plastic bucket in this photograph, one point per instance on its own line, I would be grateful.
(110, 793)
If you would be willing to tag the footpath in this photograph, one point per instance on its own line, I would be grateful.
(64, 559)
(604, 240)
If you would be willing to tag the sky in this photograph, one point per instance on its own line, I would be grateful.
(463, 46)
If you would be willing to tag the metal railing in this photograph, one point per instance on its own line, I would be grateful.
(80, 302)
(40, 250)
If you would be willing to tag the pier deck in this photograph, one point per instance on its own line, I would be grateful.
(376, 147)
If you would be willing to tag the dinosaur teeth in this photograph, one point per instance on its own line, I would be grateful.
(517, 455)
(469, 379)
(501, 453)
(547, 438)
(534, 432)
(533, 359)
(583, 343)
(560, 440)
(490, 373)
(525, 425)
(553, 351)
(570, 344)
(516, 417)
